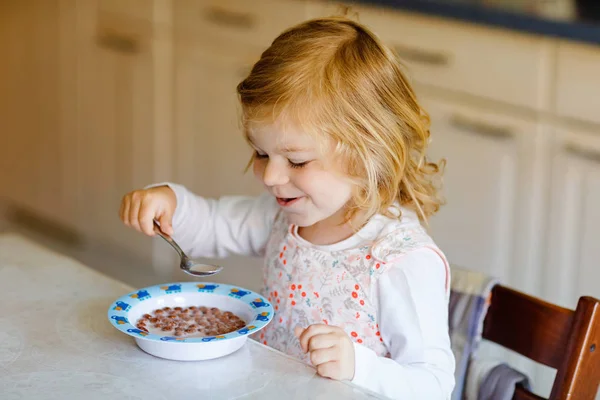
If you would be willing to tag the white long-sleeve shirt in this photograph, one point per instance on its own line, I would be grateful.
(387, 286)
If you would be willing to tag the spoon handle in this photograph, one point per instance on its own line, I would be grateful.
(169, 240)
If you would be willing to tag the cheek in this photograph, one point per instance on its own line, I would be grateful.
(306, 180)
(324, 186)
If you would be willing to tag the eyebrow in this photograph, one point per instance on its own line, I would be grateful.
(294, 149)
(286, 149)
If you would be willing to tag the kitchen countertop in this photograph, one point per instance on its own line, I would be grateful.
(567, 27)
(56, 343)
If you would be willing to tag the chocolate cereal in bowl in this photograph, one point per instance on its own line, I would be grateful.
(189, 320)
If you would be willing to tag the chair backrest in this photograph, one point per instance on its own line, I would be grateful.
(564, 339)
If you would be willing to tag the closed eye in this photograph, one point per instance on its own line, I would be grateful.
(261, 156)
(298, 164)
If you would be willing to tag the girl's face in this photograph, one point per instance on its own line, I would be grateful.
(309, 186)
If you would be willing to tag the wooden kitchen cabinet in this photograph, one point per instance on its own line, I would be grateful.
(34, 139)
(572, 252)
(490, 191)
(116, 117)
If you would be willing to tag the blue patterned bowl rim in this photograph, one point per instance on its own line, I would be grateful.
(119, 309)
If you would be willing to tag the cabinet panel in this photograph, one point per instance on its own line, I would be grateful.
(34, 148)
(488, 186)
(116, 124)
(572, 251)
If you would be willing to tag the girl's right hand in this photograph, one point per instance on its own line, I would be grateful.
(140, 207)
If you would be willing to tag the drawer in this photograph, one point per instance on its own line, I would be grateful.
(121, 34)
(239, 21)
(154, 15)
(578, 82)
(491, 63)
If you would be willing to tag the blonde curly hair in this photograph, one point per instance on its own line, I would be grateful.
(335, 79)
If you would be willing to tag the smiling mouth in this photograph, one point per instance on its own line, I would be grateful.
(287, 201)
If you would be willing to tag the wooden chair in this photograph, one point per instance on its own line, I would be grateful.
(566, 340)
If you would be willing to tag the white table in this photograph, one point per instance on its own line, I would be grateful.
(56, 343)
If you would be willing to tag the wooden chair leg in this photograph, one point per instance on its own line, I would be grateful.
(579, 375)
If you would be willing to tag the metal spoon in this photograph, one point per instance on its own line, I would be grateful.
(187, 264)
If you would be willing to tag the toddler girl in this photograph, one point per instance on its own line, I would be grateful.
(359, 288)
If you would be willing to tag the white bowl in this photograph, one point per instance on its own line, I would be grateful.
(249, 306)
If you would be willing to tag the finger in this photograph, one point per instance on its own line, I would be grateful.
(165, 220)
(322, 356)
(322, 341)
(146, 218)
(329, 369)
(298, 331)
(311, 331)
(126, 207)
(134, 213)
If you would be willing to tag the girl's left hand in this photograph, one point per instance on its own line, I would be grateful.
(331, 350)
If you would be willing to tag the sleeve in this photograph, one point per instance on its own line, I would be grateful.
(217, 228)
(413, 323)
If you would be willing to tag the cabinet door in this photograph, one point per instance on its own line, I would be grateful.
(496, 186)
(573, 251)
(493, 185)
(31, 141)
(116, 122)
(211, 153)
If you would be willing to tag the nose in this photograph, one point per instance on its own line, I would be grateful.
(274, 174)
